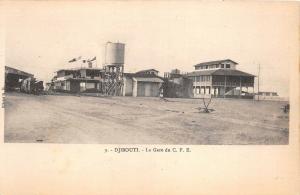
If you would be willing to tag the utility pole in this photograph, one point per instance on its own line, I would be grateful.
(258, 82)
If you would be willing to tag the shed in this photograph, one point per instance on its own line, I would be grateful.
(142, 85)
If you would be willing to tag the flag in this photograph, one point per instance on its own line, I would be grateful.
(94, 58)
(73, 60)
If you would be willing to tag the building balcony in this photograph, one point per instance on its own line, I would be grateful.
(233, 84)
(202, 83)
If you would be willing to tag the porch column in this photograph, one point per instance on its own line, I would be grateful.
(213, 90)
(134, 89)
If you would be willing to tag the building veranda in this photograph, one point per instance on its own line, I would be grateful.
(221, 79)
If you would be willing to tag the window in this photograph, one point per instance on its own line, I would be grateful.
(227, 65)
(222, 65)
(206, 67)
(217, 66)
(82, 86)
(197, 79)
(90, 85)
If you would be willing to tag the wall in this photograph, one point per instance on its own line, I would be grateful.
(128, 85)
(148, 89)
(178, 88)
(90, 86)
(74, 86)
(216, 66)
(83, 73)
(271, 98)
(60, 73)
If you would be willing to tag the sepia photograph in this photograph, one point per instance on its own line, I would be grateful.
(134, 73)
(136, 97)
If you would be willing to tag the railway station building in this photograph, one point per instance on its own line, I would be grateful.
(221, 79)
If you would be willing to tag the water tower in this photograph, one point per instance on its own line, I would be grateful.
(114, 67)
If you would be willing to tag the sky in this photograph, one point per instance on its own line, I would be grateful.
(41, 37)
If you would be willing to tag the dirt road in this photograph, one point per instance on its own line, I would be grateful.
(128, 120)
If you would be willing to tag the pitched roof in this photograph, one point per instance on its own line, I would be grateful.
(228, 72)
(16, 71)
(147, 70)
(144, 75)
(152, 79)
(215, 62)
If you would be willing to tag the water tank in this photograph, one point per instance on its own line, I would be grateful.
(114, 53)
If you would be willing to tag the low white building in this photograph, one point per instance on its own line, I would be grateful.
(142, 85)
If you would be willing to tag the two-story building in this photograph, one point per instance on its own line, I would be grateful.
(78, 80)
(221, 79)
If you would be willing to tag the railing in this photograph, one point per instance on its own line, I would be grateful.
(207, 83)
(233, 84)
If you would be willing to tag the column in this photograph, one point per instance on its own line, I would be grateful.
(134, 88)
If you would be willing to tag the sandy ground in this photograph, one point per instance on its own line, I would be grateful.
(128, 120)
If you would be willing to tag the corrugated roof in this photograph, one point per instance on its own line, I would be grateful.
(16, 71)
(153, 79)
(215, 62)
(228, 72)
(141, 75)
(141, 71)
